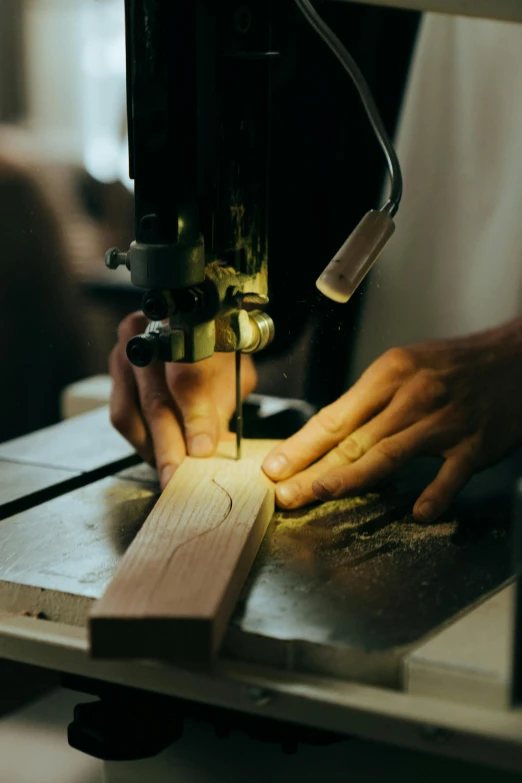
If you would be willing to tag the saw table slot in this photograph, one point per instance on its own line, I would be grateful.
(51, 462)
(44, 484)
(83, 444)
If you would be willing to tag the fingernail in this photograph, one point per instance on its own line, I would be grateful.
(326, 488)
(201, 446)
(275, 466)
(166, 475)
(427, 512)
(287, 494)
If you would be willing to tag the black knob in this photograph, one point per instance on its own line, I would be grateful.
(158, 305)
(143, 349)
(121, 731)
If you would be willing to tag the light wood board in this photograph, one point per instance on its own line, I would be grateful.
(177, 585)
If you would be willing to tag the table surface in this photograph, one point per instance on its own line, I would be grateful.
(344, 589)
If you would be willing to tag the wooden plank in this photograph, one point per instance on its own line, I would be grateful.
(178, 583)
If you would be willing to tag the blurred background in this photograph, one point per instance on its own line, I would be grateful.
(65, 197)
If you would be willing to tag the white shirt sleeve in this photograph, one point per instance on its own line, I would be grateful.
(455, 263)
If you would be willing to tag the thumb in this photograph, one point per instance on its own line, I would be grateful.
(191, 389)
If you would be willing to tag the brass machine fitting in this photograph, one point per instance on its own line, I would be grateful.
(248, 332)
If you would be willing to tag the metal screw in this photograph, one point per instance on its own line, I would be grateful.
(260, 696)
(148, 223)
(158, 305)
(435, 735)
(190, 300)
(115, 258)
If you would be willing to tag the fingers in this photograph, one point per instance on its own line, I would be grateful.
(159, 408)
(330, 426)
(141, 408)
(192, 388)
(378, 464)
(299, 489)
(387, 457)
(410, 404)
(205, 395)
(452, 477)
(160, 417)
(124, 409)
(124, 405)
(372, 392)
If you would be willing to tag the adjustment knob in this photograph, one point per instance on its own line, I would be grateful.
(143, 349)
(158, 305)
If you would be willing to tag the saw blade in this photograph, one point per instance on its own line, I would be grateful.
(239, 407)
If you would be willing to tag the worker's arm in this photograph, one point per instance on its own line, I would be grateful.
(167, 410)
(460, 399)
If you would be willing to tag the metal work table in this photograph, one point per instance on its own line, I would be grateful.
(330, 586)
(345, 594)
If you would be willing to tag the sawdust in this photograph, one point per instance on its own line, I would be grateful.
(360, 525)
(329, 511)
(407, 534)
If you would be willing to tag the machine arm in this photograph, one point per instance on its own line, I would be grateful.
(199, 160)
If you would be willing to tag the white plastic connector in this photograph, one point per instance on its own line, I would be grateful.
(349, 267)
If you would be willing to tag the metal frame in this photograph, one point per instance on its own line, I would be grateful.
(478, 735)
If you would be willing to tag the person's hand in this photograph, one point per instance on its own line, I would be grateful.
(460, 399)
(168, 410)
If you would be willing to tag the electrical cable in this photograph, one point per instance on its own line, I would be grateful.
(340, 51)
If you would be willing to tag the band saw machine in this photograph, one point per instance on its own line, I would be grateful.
(353, 620)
